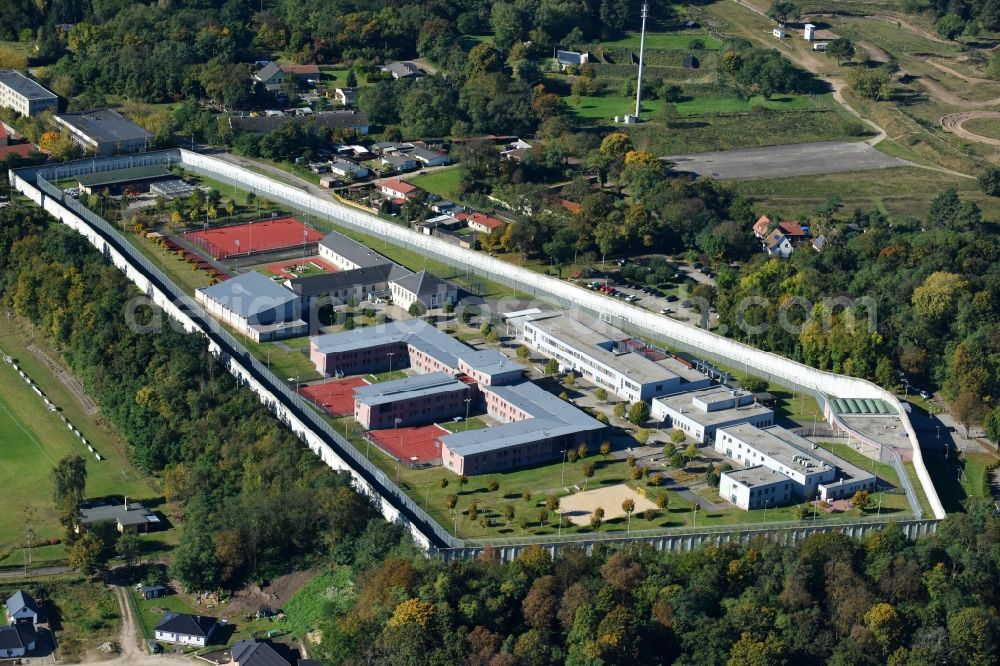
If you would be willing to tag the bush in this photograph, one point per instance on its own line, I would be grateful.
(416, 309)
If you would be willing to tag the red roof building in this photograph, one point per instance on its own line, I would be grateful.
(19, 149)
(398, 189)
(761, 225)
(792, 230)
(479, 222)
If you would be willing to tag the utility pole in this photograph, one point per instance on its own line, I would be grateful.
(642, 48)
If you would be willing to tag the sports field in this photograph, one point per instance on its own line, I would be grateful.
(32, 439)
(411, 444)
(335, 397)
(263, 236)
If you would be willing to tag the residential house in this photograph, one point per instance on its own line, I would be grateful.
(345, 96)
(185, 629)
(308, 74)
(819, 243)
(383, 148)
(251, 652)
(403, 70)
(423, 287)
(571, 59)
(398, 189)
(793, 231)
(761, 226)
(477, 221)
(16, 641)
(22, 609)
(777, 245)
(348, 170)
(128, 517)
(401, 162)
(429, 157)
(442, 222)
(271, 76)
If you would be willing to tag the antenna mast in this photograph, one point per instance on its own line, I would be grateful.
(642, 48)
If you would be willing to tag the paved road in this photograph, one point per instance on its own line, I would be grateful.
(44, 571)
(799, 159)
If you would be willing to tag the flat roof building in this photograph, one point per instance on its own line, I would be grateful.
(255, 305)
(702, 413)
(104, 132)
(755, 488)
(137, 179)
(606, 356)
(811, 470)
(359, 284)
(23, 95)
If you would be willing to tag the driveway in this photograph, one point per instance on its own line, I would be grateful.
(799, 159)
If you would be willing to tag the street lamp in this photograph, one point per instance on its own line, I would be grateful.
(467, 403)
(562, 481)
(390, 355)
(237, 242)
(765, 509)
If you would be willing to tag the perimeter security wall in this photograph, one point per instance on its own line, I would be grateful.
(699, 341)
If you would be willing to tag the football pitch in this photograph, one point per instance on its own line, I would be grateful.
(32, 440)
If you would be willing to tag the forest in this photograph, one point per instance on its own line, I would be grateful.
(255, 502)
(829, 600)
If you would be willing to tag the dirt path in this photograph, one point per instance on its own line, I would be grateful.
(895, 19)
(954, 123)
(873, 53)
(956, 74)
(131, 653)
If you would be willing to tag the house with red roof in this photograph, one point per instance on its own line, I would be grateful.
(793, 231)
(398, 189)
(479, 222)
(761, 225)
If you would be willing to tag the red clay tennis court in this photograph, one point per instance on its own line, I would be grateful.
(262, 236)
(408, 443)
(335, 397)
(301, 267)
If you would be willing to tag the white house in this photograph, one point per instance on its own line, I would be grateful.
(401, 162)
(348, 169)
(22, 609)
(429, 157)
(755, 488)
(345, 96)
(778, 245)
(397, 189)
(184, 629)
(431, 291)
(809, 32)
(779, 33)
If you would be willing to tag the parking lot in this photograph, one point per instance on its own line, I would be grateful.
(677, 307)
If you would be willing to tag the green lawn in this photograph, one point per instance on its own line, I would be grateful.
(606, 107)
(151, 610)
(32, 440)
(984, 126)
(709, 104)
(957, 478)
(444, 182)
(327, 596)
(665, 41)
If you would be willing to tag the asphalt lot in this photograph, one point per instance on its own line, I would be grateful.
(799, 159)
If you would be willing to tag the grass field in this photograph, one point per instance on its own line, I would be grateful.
(151, 610)
(679, 41)
(445, 183)
(32, 440)
(984, 127)
(898, 192)
(719, 104)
